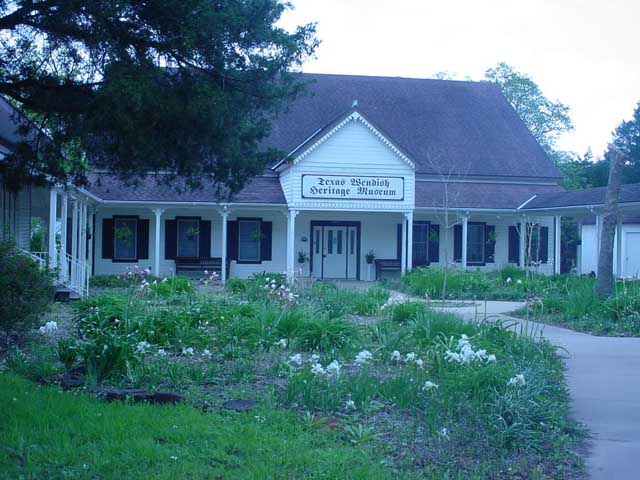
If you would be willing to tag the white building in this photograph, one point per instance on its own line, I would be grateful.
(415, 172)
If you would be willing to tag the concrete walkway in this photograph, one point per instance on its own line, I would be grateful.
(603, 376)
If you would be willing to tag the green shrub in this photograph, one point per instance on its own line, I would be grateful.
(170, 286)
(325, 334)
(236, 286)
(108, 281)
(25, 289)
(403, 312)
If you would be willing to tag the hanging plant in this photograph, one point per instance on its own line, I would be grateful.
(192, 232)
(124, 234)
(302, 257)
(370, 256)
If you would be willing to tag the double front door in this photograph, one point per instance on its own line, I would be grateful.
(335, 251)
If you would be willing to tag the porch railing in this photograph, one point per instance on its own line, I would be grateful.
(70, 273)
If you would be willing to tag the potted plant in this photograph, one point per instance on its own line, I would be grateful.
(369, 257)
(192, 232)
(302, 257)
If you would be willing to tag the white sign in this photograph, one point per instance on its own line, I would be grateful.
(352, 188)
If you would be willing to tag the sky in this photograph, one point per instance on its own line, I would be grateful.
(585, 53)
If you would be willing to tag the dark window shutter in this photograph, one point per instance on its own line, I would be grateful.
(266, 241)
(143, 239)
(70, 235)
(170, 239)
(457, 243)
(107, 238)
(434, 243)
(232, 240)
(544, 244)
(514, 245)
(490, 244)
(399, 242)
(205, 238)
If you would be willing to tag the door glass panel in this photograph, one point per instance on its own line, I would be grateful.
(352, 241)
(330, 241)
(317, 241)
(339, 248)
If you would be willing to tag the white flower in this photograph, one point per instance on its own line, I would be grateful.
(317, 369)
(295, 359)
(188, 351)
(429, 385)
(161, 352)
(351, 405)
(174, 458)
(315, 358)
(517, 381)
(466, 354)
(282, 343)
(395, 356)
(363, 357)
(333, 368)
(142, 346)
(519, 282)
(206, 353)
(48, 328)
(491, 358)
(411, 357)
(165, 279)
(444, 432)
(508, 280)
(419, 363)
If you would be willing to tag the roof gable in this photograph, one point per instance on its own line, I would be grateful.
(329, 130)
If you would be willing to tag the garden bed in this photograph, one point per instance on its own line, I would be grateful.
(411, 393)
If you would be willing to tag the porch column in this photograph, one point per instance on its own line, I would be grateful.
(409, 216)
(598, 235)
(64, 266)
(523, 243)
(83, 245)
(403, 250)
(619, 270)
(156, 259)
(557, 243)
(223, 243)
(291, 236)
(465, 232)
(90, 221)
(74, 243)
(53, 212)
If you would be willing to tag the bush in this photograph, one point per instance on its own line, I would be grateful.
(25, 289)
(403, 312)
(171, 286)
(108, 281)
(236, 285)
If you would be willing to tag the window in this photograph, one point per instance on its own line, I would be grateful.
(188, 238)
(420, 243)
(352, 235)
(329, 241)
(249, 235)
(475, 243)
(339, 242)
(125, 238)
(317, 241)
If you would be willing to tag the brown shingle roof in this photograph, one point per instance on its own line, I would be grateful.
(585, 197)
(463, 128)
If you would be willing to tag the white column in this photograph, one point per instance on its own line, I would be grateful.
(90, 220)
(619, 269)
(403, 250)
(409, 216)
(465, 230)
(74, 242)
(53, 212)
(291, 236)
(523, 243)
(598, 235)
(223, 243)
(557, 229)
(156, 259)
(64, 266)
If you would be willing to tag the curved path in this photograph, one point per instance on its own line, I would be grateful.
(603, 376)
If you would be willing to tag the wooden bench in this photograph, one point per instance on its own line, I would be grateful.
(211, 264)
(386, 265)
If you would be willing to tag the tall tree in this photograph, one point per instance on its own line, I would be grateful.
(627, 139)
(183, 86)
(609, 221)
(546, 119)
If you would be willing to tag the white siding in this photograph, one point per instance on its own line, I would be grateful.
(589, 256)
(353, 150)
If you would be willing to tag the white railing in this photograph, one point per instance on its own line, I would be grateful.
(71, 272)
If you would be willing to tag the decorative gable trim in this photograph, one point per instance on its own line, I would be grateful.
(354, 116)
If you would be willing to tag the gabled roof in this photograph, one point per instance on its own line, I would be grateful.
(582, 198)
(154, 188)
(461, 128)
(327, 131)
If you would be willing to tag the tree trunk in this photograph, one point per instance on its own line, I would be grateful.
(604, 286)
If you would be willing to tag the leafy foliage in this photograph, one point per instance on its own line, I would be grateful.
(25, 289)
(147, 86)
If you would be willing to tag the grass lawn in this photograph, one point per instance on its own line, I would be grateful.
(408, 393)
(49, 434)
